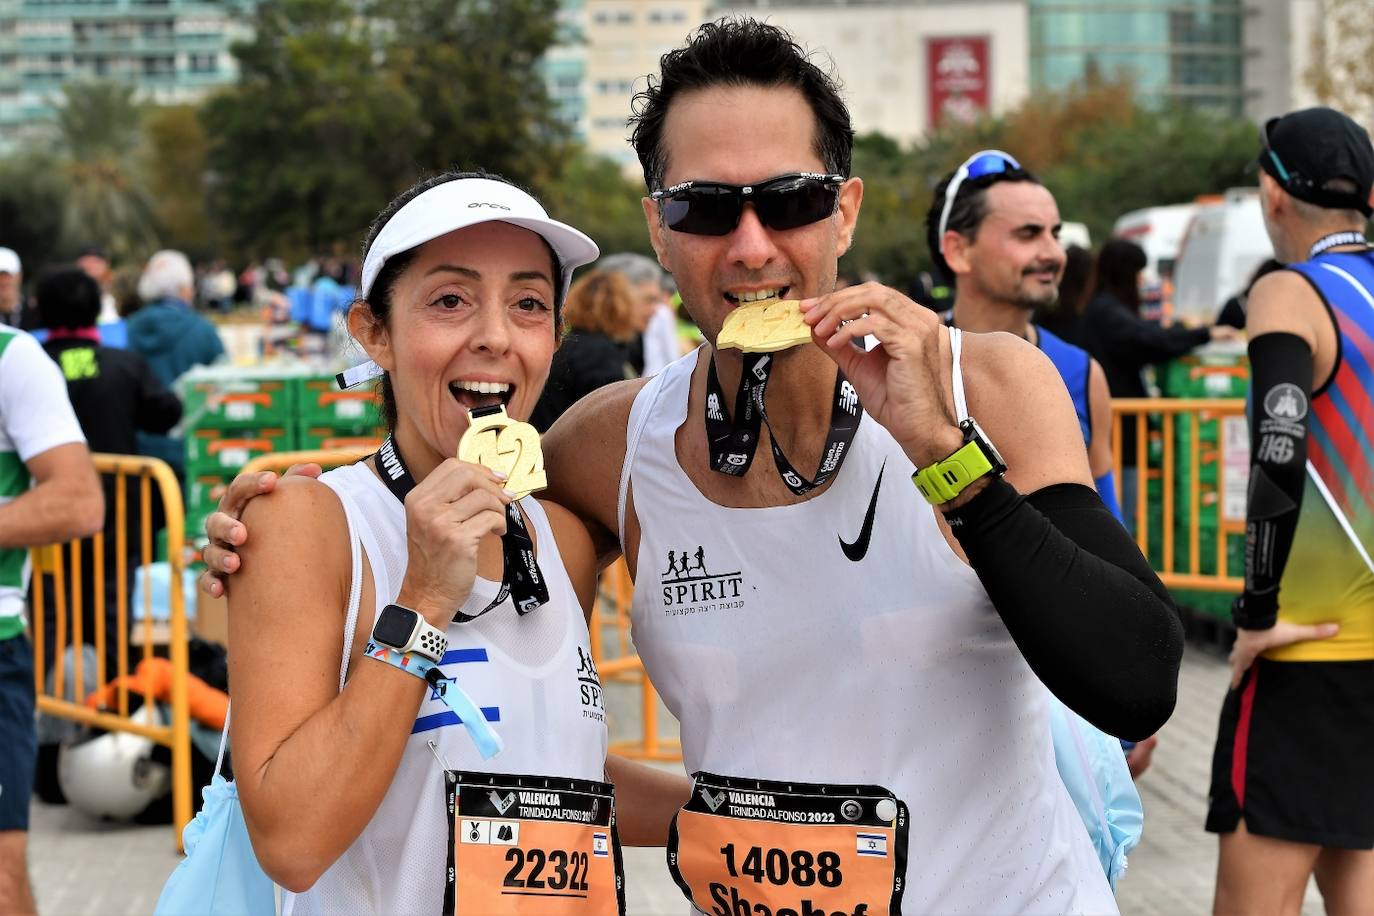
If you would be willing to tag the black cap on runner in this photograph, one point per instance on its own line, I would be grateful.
(1304, 151)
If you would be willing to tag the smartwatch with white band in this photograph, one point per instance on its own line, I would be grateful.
(405, 630)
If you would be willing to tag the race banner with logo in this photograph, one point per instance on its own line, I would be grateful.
(957, 79)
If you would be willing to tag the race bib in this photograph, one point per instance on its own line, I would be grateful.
(532, 845)
(789, 849)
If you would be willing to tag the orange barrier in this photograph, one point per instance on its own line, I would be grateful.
(1194, 451)
(615, 595)
(325, 458)
(57, 559)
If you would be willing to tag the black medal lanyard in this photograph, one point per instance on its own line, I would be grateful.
(520, 579)
(1327, 242)
(732, 444)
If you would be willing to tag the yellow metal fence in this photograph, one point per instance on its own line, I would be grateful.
(135, 629)
(1191, 457)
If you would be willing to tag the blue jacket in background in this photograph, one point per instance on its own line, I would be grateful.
(171, 339)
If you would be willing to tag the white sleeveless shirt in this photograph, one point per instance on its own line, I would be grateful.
(788, 656)
(527, 674)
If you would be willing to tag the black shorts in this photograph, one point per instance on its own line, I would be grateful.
(1294, 754)
(18, 733)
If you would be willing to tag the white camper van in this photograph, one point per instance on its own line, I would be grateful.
(1224, 244)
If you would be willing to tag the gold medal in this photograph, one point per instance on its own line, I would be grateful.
(776, 325)
(507, 446)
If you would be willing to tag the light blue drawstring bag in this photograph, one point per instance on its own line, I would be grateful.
(1093, 769)
(220, 875)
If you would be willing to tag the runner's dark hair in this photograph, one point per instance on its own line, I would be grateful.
(739, 52)
(68, 298)
(378, 299)
(1119, 264)
(969, 210)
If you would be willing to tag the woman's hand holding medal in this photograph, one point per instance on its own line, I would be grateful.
(902, 382)
(447, 516)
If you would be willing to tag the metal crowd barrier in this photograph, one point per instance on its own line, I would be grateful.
(140, 632)
(614, 662)
(1192, 456)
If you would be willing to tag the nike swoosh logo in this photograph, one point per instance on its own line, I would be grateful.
(857, 550)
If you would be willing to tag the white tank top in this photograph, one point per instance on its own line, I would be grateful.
(527, 674)
(787, 656)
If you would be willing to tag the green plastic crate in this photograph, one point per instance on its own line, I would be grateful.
(210, 450)
(202, 499)
(311, 438)
(231, 403)
(319, 402)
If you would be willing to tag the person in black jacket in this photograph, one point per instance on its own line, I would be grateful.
(115, 394)
(1125, 343)
(602, 318)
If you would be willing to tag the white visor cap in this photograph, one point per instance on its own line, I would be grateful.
(465, 202)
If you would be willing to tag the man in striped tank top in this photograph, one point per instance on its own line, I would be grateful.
(1291, 795)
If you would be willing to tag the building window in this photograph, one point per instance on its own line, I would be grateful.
(159, 66)
(204, 63)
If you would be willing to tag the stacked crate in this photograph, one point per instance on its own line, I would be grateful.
(327, 418)
(230, 417)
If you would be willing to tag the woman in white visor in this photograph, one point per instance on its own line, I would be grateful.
(417, 724)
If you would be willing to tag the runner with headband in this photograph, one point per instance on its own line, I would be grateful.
(1291, 795)
(860, 702)
(417, 722)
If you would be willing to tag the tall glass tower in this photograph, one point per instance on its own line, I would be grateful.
(1188, 51)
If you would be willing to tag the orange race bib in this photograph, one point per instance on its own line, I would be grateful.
(749, 846)
(532, 845)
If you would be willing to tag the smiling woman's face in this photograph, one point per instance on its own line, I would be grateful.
(471, 324)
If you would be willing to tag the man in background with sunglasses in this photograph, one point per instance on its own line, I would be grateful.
(1291, 792)
(993, 229)
(835, 664)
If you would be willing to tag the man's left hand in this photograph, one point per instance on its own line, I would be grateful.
(1252, 643)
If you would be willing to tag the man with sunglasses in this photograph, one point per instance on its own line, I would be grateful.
(1291, 793)
(860, 704)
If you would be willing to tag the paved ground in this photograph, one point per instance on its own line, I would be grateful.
(83, 867)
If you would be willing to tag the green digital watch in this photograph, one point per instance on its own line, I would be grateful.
(976, 458)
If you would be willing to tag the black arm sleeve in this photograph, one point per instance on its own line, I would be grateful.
(1088, 613)
(1281, 394)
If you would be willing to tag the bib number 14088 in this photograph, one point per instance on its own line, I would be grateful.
(802, 868)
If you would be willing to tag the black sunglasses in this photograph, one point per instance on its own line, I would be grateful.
(713, 208)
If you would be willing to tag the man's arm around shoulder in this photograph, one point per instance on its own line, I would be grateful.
(584, 453)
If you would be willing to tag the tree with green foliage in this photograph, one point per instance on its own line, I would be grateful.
(314, 138)
(337, 109)
(1094, 146)
(471, 67)
(33, 198)
(97, 142)
(173, 167)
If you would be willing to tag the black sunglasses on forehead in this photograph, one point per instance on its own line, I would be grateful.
(715, 208)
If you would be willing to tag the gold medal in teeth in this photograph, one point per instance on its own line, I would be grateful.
(507, 446)
(775, 324)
